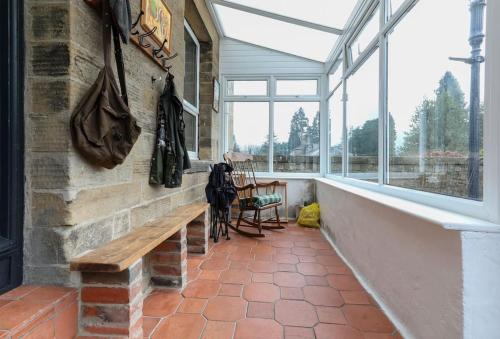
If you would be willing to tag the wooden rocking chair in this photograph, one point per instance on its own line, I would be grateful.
(253, 196)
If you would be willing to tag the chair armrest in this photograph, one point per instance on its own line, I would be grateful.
(246, 187)
(274, 183)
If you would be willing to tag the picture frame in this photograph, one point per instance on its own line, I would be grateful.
(216, 99)
(157, 14)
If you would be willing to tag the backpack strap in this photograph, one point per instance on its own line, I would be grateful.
(108, 30)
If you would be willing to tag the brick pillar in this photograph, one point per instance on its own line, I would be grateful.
(111, 303)
(169, 262)
(197, 234)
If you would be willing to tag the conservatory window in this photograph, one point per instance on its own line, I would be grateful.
(296, 87)
(362, 120)
(248, 130)
(335, 75)
(275, 34)
(296, 137)
(365, 36)
(430, 110)
(336, 131)
(247, 88)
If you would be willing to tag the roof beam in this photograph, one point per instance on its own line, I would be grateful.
(279, 17)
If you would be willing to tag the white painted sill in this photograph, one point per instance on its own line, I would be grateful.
(445, 219)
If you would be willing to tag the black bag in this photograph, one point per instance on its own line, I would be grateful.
(220, 190)
(102, 127)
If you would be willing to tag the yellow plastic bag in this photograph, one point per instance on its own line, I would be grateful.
(309, 216)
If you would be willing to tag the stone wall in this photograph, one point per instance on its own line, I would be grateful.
(72, 206)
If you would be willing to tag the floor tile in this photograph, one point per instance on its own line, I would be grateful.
(231, 290)
(260, 310)
(367, 318)
(148, 325)
(185, 326)
(253, 328)
(303, 251)
(289, 279)
(263, 267)
(192, 305)
(356, 297)
(236, 277)
(322, 296)
(329, 260)
(201, 289)
(311, 269)
(339, 270)
(294, 293)
(344, 282)
(287, 268)
(306, 258)
(331, 315)
(295, 313)
(299, 333)
(219, 330)
(161, 304)
(262, 277)
(209, 275)
(224, 308)
(314, 280)
(216, 264)
(329, 331)
(286, 259)
(262, 292)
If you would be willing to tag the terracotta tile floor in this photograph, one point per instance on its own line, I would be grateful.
(290, 284)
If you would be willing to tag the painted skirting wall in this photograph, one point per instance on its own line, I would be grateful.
(413, 267)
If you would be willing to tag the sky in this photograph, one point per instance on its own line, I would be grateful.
(418, 54)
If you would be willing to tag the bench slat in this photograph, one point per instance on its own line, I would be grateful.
(121, 253)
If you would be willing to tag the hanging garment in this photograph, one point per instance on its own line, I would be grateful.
(122, 18)
(102, 127)
(170, 156)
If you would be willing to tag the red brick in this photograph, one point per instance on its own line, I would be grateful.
(105, 295)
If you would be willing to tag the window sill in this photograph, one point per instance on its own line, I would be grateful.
(285, 176)
(198, 166)
(445, 219)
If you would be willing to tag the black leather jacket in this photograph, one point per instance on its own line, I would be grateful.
(170, 156)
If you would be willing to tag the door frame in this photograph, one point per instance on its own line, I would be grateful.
(12, 141)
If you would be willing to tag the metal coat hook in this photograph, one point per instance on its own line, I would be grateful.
(145, 35)
(157, 51)
(136, 23)
(170, 57)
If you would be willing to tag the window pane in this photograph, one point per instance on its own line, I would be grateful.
(394, 6)
(362, 120)
(296, 137)
(335, 76)
(247, 87)
(190, 131)
(333, 13)
(336, 118)
(296, 87)
(366, 35)
(429, 143)
(191, 76)
(248, 130)
(278, 35)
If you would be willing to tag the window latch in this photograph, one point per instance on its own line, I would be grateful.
(475, 60)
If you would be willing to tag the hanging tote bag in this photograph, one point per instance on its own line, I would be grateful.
(102, 128)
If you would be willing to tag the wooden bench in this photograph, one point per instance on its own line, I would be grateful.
(115, 276)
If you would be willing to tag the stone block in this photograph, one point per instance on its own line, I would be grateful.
(153, 210)
(50, 59)
(50, 21)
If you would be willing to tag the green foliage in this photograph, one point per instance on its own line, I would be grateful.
(363, 140)
(298, 126)
(442, 123)
(314, 129)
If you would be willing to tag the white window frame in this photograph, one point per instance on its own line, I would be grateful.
(271, 98)
(189, 107)
(489, 208)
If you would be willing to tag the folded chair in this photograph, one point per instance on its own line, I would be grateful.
(253, 196)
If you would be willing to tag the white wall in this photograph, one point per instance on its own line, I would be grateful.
(414, 267)
(241, 58)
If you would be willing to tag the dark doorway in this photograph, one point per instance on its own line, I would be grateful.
(11, 143)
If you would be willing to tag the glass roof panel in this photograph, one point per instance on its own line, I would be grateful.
(278, 35)
(331, 13)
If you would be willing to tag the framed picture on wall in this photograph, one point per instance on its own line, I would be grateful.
(157, 19)
(216, 101)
